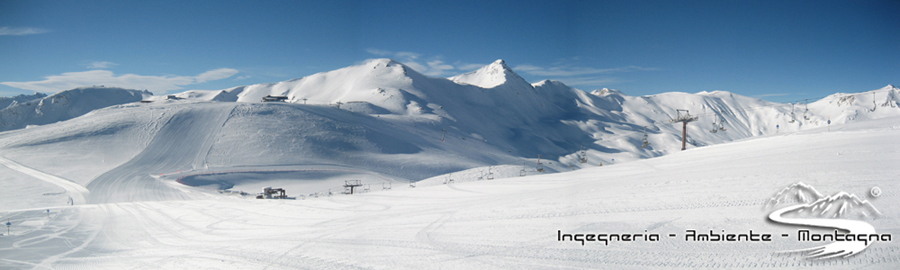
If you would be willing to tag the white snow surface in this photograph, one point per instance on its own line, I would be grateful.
(9, 101)
(63, 106)
(509, 223)
(146, 179)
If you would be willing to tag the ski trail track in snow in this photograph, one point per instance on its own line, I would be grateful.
(77, 192)
(181, 143)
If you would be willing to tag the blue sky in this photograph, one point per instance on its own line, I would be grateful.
(776, 50)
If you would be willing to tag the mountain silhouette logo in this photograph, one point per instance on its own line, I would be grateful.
(806, 207)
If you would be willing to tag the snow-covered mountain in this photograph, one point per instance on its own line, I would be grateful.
(383, 118)
(490, 76)
(63, 105)
(549, 118)
(8, 101)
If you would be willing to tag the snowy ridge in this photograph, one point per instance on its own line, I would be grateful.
(385, 118)
(393, 127)
(490, 76)
(10, 101)
(546, 118)
(845, 107)
(65, 105)
(605, 92)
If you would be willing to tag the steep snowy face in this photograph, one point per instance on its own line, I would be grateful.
(65, 105)
(485, 117)
(490, 76)
(548, 117)
(9, 101)
(387, 87)
(841, 108)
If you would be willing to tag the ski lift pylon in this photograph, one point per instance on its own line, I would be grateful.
(806, 109)
(583, 154)
(792, 114)
(874, 104)
(539, 166)
(889, 100)
(644, 141)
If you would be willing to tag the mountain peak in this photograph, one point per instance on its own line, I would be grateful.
(605, 92)
(499, 63)
(490, 76)
(382, 62)
(381, 67)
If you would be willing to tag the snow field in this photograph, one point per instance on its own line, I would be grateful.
(381, 122)
(503, 223)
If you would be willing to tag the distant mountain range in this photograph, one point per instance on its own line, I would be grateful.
(385, 116)
(9, 101)
(40, 109)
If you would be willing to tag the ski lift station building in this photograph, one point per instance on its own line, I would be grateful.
(271, 98)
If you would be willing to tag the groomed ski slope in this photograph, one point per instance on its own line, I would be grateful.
(181, 144)
(510, 223)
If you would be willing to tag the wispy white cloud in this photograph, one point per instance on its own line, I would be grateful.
(468, 67)
(590, 81)
(432, 66)
(440, 65)
(571, 73)
(421, 68)
(242, 77)
(773, 95)
(21, 31)
(407, 55)
(378, 52)
(101, 65)
(576, 71)
(216, 74)
(156, 84)
(400, 55)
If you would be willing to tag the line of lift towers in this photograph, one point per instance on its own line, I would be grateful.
(683, 116)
